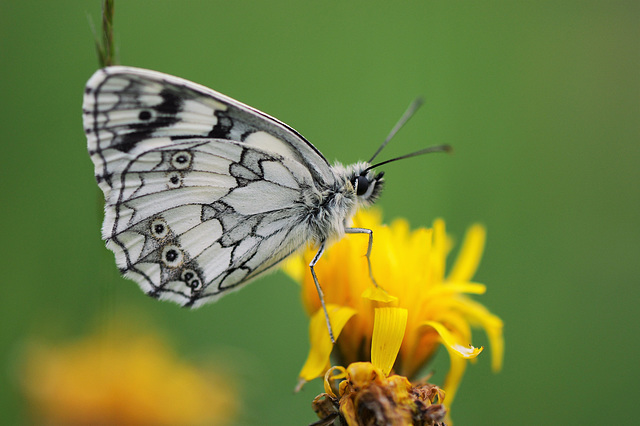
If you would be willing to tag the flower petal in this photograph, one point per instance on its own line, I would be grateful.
(295, 266)
(452, 343)
(492, 325)
(332, 374)
(496, 340)
(348, 411)
(378, 294)
(366, 218)
(388, 331)
(458, 287)
(321, 346)
(458, 356)
(457, 367)
(470, 254)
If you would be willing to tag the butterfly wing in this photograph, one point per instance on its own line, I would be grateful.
(124, 106)
(202, 192)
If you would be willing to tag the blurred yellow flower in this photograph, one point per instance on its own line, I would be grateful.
(122, 378)
(410, 266)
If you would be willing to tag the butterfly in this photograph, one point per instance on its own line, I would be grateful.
(204, 193)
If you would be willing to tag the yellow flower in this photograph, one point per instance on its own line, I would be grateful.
(410, 266)
(122, 378)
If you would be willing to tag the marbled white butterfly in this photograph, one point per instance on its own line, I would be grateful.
(204, 193)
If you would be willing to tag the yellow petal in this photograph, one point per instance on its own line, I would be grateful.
(378, 294)
(330, 376)
(439, 249)
(388, 331)
(348, 411)
(478, 313)
(452, 343)
(470, 254)
(457, 366)
(363, 374)
(295, 266)
(458, 356)
(367, 218)
(496, 340)
(458, 287)
(321, 346)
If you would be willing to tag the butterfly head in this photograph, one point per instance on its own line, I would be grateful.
(366, 184)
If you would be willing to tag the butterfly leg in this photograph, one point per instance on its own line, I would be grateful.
(319, 289)
(370, 233)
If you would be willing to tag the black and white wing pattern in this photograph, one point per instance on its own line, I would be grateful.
(202, 192)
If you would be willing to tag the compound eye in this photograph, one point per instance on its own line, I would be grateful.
(362, 184)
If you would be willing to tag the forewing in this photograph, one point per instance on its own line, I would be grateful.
(124, 107)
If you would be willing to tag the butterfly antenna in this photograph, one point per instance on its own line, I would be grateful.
(437, 148)
(413, 107)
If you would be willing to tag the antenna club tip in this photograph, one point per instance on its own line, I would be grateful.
(447, 148)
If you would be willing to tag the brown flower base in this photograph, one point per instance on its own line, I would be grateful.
(367, 398)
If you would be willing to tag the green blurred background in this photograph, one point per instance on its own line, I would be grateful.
(540, 100)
